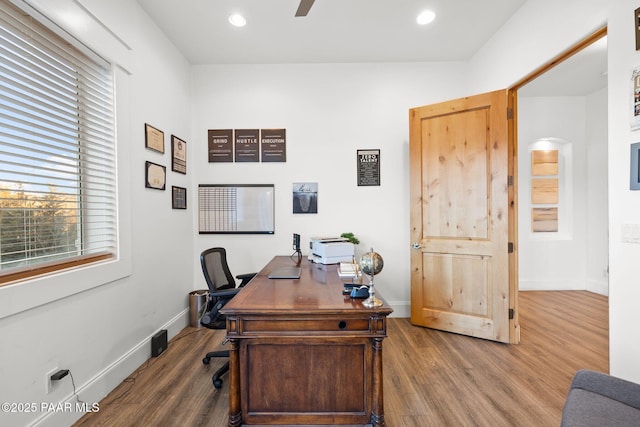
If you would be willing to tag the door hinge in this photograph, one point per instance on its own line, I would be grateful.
(510, 247)
(509, 113)
(511, 313)
(510, 180)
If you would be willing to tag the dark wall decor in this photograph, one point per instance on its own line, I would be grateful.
(220, 145)
(368, 167)
(178, 197)
(634, 174)
(636, 18)
(178, 155)
(247, 146)
(305, 197)
(274, 145)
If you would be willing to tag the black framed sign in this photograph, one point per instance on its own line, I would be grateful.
(247, 145)
(178, 197)
(220, 145)
(273, 145)
(368, 167)
(178, 155)
(634, 169)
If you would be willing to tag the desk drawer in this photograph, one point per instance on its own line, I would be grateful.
(307, 326)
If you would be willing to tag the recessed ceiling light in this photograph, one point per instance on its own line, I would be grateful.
(426, 17)
(237, 20)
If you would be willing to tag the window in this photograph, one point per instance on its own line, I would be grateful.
(57, 151)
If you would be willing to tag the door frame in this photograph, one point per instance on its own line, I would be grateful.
(512, 108)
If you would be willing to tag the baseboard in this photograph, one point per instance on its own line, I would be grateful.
(598, 286)
(551, 285)
(110, 377)
(400, 308)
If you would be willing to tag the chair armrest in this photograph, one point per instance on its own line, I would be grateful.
(245, 278)
(612, 387)
(225, 293)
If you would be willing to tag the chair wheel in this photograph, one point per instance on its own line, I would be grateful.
(217, 384)
(205, 361)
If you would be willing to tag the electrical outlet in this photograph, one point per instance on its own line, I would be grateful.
(48, 384)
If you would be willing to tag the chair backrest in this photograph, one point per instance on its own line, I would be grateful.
(215, 269)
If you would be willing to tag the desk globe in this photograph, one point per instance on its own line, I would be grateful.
(371, 264)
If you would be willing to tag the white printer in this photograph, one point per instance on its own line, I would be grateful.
(330, 250)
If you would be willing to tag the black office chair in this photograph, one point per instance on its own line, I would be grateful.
(222, 287)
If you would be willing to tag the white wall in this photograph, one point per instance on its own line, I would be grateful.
(577, 256)
(539, 31)
(329, 111)
(624, 205)
(597, 231)
(100, 327)
(552, 261)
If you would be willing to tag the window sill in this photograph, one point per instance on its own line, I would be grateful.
(22, 295)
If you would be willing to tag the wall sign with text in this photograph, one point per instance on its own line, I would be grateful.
(220, 145)
(246, 145)
(368, 167)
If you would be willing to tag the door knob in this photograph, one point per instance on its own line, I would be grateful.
(415, 245)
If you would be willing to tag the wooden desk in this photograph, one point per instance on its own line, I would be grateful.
(302, 353)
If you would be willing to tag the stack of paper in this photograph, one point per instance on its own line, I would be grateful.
(347, 270)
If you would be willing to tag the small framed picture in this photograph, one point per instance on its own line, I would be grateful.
(155, 176)
(153, 138)
(305, 197)
(635, 99)
(178, 155)
(368, 167)
(636, 18)
(178, 197)
(634, 174)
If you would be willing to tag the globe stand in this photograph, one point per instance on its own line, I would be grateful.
(371, 264)
(372, 301)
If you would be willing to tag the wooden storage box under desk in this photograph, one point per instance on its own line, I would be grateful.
(304, 354)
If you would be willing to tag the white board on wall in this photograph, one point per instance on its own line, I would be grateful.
(236, 209)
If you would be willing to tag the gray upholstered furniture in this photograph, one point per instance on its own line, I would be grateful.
(597, 399)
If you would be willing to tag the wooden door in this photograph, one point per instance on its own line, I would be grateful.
(461, 194)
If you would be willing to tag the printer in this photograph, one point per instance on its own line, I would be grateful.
(330, 250)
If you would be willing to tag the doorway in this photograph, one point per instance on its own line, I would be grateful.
(441, 148)
(563, 224)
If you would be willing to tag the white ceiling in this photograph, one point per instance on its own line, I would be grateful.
(333, 31)
(582, 74)
(341, 31)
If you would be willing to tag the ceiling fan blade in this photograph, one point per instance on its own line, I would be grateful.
(304, 7)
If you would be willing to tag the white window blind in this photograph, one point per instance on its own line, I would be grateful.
(57, 147)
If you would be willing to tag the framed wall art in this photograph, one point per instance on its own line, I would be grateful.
(153, 138)
(305, 197)
(178, 197)
(368, 167)
(155, 176)
(220, 145)
(634, 173)
(178, 155)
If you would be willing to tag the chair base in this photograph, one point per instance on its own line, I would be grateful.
(217, 381)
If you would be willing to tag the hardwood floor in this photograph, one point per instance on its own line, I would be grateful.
(431, 378)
